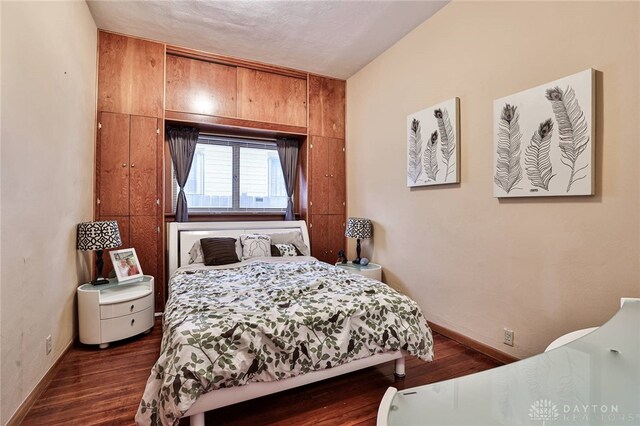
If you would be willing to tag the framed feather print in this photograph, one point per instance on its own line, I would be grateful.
(543, 139)
(433, 145)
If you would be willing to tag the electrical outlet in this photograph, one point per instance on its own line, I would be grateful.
(48, 344)
(508, 337)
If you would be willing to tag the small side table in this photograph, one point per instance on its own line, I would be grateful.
(371, 270)
(115, 311)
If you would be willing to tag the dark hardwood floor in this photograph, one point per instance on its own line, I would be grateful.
(104, 387)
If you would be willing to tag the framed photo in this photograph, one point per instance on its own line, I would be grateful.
(126, 264)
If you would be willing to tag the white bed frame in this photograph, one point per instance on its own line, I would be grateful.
(181, 238)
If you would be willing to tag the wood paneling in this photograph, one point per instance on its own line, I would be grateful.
(227, 60)
(327, 107)
(319, 225)
(319, 171)
(336, 239)
(337, 177)
(237, 126)
(200, 87)
(328, 179)
(93, 386)
(130, 75)
(144, 238)
(113, 164)
(143, 180)
(272, 98)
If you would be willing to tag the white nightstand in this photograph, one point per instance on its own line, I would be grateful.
(372, 270)
(115, 311)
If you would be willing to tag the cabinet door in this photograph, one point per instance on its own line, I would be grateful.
(337, 177)
(335, 240)
(130, 75)
(143, 174)
(201, 87)
(113, 165)
(319, 242)
(326, 107)
(144, 238)
(319, 171)
(272, 98)
(123, 227)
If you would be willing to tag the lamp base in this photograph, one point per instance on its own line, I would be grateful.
(100, 281)
(356, 261)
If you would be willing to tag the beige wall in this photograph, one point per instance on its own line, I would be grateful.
(48, 115)
(457, 250)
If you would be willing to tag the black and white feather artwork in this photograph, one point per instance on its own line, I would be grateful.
(557, 120)
(536, 157)
(572, 127)
(508, 168)
(434, 160)
(414, 166)
(447, 140)
(430, 162)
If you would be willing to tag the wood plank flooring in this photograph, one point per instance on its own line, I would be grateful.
(104, 387)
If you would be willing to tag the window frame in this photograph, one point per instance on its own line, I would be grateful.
(236, 143)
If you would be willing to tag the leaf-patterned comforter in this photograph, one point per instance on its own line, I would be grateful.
(269, 320)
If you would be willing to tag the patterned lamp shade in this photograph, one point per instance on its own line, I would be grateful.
(98, 235)
(358, 227)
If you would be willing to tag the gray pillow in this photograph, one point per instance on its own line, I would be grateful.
(255, 245)
(291, 237)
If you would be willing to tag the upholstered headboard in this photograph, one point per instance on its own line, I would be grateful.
(182, 235)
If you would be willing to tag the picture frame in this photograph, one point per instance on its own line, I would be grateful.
(126, 264)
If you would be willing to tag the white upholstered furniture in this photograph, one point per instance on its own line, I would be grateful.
(115, 311)
(181, 238)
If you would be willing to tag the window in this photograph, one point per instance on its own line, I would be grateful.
(234, 175)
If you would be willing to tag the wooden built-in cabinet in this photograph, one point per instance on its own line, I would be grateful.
(130, 75)
(201, 87)
(129, 186)
(327, 175)
(272, 98)
(142, 84)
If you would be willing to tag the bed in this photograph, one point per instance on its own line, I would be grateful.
(240, 331)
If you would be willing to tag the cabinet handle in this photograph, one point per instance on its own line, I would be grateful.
(133, 165)
(331, 175)
(326, 175)
(124, 164)
(131, 310)
(132, 321)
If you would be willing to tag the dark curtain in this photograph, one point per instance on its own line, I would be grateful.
(182, 144)
(288, 152)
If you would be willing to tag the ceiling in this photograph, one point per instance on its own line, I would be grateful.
(332, 38)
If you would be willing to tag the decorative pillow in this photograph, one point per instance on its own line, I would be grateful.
(293, 237)
(219, 251)
(287, 250)
(255, 245)
(275, 251)
(196, 256)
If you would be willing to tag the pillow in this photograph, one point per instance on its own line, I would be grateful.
(280, 250)
(196, 256)
(292, 237)
(255, 245)
(219, 251)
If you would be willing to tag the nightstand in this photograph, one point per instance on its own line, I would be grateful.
(115, 311)
(372, 270)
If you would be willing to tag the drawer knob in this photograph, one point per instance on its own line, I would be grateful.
(132, 306)
(133, 321)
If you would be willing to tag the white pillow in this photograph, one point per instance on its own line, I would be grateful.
(196, 255)
(255, 245)
(292, 237)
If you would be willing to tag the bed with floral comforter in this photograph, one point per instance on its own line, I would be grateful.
(271, 319)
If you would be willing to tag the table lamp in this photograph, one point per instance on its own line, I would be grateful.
(358, 227)
(98, 236)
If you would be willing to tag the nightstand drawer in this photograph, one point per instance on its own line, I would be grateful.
(120, 328)
(115, 310)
